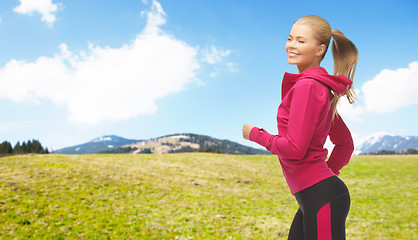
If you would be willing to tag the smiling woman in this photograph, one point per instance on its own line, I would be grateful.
(306, 117)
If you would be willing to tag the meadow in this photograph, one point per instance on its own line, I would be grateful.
(190, 196)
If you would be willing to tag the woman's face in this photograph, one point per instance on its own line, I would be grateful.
(302, 48)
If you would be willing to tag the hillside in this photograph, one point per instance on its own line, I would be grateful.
(173, 143)
(177, 143)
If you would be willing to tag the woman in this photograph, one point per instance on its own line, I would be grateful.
(306, 116)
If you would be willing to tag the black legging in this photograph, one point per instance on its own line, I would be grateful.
(322, 212)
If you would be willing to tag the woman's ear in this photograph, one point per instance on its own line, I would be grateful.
(320, 51)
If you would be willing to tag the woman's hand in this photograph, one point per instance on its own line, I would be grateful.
(246, 129)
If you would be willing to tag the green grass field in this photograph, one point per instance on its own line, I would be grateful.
(190, 196)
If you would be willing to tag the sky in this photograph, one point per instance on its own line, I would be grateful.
(74, 70)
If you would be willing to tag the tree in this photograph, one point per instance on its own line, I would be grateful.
(36, 147)
(411, 151)
(24, 147)
(28, 147)
(146, 150)
(18, 148)
(33, 146)
(6, 148)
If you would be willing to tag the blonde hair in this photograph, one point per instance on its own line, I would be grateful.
(344, 52)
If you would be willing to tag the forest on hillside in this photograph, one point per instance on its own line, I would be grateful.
(31, 146)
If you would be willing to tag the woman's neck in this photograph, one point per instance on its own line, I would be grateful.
(304, 67)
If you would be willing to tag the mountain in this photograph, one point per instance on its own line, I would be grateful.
(388, 142)
(193, 142)
(173, 143)
(97, 145)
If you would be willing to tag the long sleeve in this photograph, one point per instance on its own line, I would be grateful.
(340, 136)
(306, 102)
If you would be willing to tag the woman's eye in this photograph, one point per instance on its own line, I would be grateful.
(289, 39)
(302, 41)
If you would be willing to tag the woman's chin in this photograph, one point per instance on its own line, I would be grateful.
(291, 62)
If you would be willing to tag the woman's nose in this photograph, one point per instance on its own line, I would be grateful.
(292, 45)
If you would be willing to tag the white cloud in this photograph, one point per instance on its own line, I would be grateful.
(388, 91)
(212, 55)
(106, 83)
(155, 18)
(391, 90)
(45, 7)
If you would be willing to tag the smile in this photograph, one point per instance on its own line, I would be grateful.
(291, 54)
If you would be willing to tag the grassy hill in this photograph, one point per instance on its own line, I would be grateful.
(190, 196)
(185, 143)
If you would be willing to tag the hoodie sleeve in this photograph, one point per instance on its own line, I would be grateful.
(340, 136)
(307, 100)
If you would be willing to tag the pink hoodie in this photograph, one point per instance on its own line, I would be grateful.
(304, 121)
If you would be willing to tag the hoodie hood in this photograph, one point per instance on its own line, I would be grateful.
(338, 83)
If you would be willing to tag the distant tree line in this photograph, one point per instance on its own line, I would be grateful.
(121, 150)
(209, 150)
(127, 150)
(184, 149)
(187, 149)
(33, 146)
(390, 152)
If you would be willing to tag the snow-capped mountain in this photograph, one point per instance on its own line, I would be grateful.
(385, 141)
(97, 145)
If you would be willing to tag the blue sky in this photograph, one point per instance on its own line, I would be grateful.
(74, 70)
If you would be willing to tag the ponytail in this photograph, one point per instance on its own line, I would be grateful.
(344, 52)
(345, 56)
